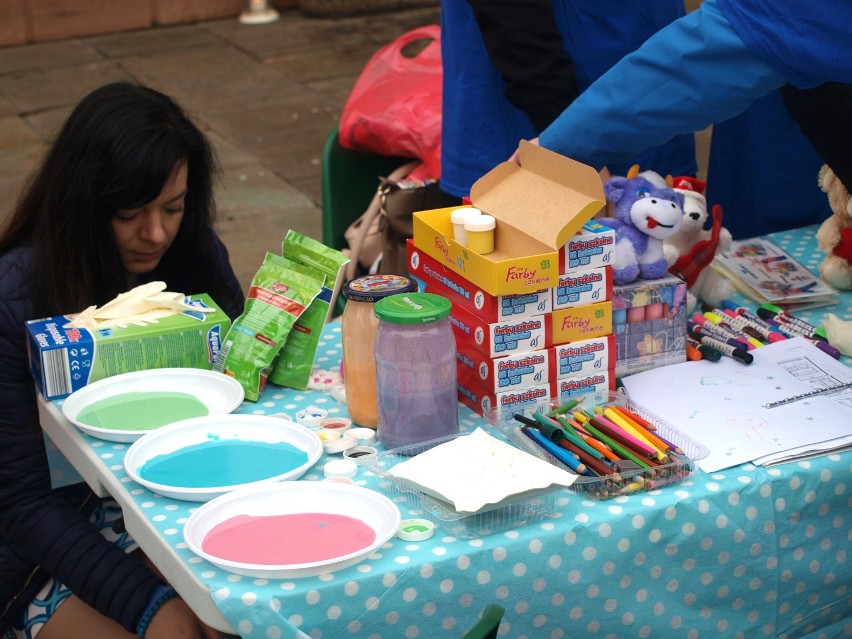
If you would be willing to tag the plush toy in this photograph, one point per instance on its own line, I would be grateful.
(646, 210)
(703, 282)
(835, 234)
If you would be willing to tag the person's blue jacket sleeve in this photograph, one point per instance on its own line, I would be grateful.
(694, 72)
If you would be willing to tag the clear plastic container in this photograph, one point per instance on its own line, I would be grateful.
(415, 369)
(413, 502)
(616, 484)
(358, 331)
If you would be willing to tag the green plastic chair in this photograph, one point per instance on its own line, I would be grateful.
(488, 624)
(349, 180)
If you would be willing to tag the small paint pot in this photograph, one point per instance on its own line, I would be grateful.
(364, 436)
(415, 529)
(337, 444)
(357, 452)
(311, 417)
(339, 424)
(336, 468)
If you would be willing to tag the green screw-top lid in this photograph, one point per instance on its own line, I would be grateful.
(412, 308)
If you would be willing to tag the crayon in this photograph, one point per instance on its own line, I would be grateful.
(649, 434)
(738, 354)
(622, 450)
(564, 408)
(591, 463)
(557, 452)
(625, 438)
(548, 428)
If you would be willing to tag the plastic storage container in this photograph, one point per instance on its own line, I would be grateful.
(613, 485)
(358, 328)
(415, 369)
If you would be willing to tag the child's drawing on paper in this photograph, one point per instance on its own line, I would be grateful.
(748, 424)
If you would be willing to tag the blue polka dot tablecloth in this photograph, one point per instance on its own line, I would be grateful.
(746, 553)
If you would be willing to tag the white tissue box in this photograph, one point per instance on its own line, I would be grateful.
(63, 360)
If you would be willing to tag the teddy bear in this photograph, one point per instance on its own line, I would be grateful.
(834, 236)
(646, 210)
(707, 285)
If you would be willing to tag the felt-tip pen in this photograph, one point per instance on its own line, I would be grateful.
(770, 311)
(791, 332)
(748, 315)
(738, 354)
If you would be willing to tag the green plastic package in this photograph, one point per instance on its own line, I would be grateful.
(281, 291)
(292, 367)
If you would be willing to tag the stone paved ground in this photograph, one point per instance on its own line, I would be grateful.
(267, 95)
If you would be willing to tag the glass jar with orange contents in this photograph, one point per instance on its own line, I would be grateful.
(358, 328)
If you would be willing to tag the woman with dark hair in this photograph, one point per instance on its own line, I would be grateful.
(123, 197)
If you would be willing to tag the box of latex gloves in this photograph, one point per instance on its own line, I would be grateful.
(145, 330)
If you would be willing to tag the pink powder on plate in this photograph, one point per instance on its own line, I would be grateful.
(287, 539)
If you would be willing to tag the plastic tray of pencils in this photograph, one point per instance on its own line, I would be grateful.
(511, 513)
(616, 446)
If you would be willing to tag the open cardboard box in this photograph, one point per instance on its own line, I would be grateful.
(538, 206)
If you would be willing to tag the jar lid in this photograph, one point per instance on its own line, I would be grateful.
(372, 288)
(480, 222)
(458, 215)
(413, 308)
(340, 468)
(415, 529)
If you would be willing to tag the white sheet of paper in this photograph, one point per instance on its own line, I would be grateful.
(720, 404)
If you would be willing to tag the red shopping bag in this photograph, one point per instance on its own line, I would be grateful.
(395, 106)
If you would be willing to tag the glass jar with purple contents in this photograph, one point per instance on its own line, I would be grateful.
(415, 369)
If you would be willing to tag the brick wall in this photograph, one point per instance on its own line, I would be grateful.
(26, 21)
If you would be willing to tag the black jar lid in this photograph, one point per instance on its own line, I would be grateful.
(372, 288)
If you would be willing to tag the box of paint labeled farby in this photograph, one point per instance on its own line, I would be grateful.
(64, 359)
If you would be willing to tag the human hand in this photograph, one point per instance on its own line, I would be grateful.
(175, 620)
(516, 156)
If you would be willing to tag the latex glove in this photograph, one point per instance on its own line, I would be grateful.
(143, 305)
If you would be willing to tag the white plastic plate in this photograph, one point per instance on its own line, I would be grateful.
(219, 428)
(289, 498)
(220, 393)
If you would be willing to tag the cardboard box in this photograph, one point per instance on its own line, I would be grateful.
(580, 288)
(649, 322)
(63, 360)
(523, 370)
(495, 339)
(539, 207)
(591, 247)
(483, 401)
(439, 279)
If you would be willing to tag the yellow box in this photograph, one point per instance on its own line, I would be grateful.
(538, 206)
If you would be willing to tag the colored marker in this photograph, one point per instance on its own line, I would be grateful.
(753, 329)
(737, 353)
(708, 353)
(721, 319)
(723, 330)
(708, 331)
(769, 311)
(790, 331)
(744, 312)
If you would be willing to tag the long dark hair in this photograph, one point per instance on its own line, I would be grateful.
(116, 151)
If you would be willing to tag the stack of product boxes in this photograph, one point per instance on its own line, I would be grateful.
(534, 318)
